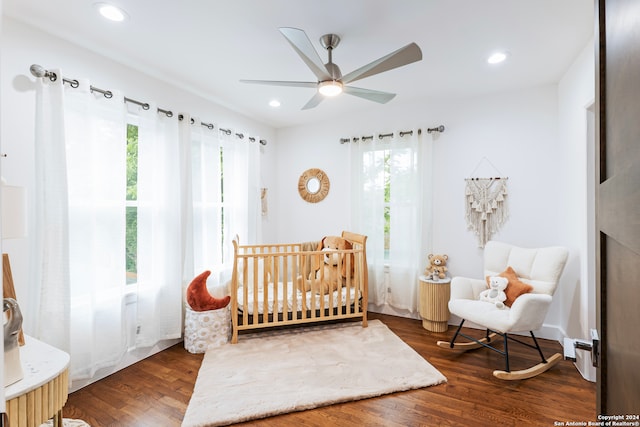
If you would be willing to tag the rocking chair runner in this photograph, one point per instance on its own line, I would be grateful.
(541, 268)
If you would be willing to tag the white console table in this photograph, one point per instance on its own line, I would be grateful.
(43, 391)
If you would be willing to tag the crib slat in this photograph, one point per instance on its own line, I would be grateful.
(275, 279)
(234, 292)
(295, 272)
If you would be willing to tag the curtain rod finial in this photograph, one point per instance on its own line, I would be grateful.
(38, 70)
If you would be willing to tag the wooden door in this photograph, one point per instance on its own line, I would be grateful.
(618, 205)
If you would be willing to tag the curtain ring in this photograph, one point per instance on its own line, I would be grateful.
(145, 106)
(73, 83)
(108, 94)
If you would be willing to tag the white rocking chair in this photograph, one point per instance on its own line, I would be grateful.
(541, 269)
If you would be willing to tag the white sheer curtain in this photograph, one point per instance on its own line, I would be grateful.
(226, 200)
(90, 158)
(186, 200)
(207, 201)
(49, 300)
(399, 169)
(368, 206)
(241, 189)
(159, 209)
(80, 221)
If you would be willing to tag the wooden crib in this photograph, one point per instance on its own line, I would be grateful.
(265, 286)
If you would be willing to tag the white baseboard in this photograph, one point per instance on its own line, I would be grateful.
(392, 311)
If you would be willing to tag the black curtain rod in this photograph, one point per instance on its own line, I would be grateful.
(390, 135)
(39, 71)
(478, 179)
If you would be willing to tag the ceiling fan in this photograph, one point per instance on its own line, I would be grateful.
(331, 82)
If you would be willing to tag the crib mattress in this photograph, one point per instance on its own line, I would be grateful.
(313, 301)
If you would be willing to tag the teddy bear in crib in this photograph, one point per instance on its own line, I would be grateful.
(330, 270)
(436, 267)
(495, 293)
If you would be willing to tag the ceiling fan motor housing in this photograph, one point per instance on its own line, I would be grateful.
(333, 70)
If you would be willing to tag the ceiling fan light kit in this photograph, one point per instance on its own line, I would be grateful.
(330, 81)
(330, 88)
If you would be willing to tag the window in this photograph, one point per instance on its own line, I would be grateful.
(209, 218)
(387, 202)
(131, 237)
(389, 193)
(377, 167)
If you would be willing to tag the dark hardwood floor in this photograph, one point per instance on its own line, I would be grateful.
(155, 392)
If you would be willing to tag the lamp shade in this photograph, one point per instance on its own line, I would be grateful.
(14, 211)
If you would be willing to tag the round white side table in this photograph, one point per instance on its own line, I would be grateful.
(43, 391)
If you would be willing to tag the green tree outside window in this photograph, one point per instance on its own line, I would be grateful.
(131, 237)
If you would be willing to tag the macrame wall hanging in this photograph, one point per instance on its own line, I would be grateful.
(486, 204)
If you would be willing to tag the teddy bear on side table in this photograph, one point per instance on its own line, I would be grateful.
(436, 268)
(434, 291)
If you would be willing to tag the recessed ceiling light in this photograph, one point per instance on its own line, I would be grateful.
(497, 57)
(274, 103)
(111, 12)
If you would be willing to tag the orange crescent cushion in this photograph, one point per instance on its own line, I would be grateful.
(515, 288)
(199, 298)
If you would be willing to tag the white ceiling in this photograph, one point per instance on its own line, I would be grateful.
(206, 46)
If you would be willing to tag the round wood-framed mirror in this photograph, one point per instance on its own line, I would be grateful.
(313, 185)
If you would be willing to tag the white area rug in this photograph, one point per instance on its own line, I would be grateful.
(277, 372)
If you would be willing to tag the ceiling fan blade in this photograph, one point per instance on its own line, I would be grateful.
(371, 95)
(281, 83)
(314, 101)
(403, 56)
(302, 45)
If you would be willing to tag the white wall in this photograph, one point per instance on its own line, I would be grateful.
(23, 46)
(576, 93)
(517, 132)
(2, 402)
